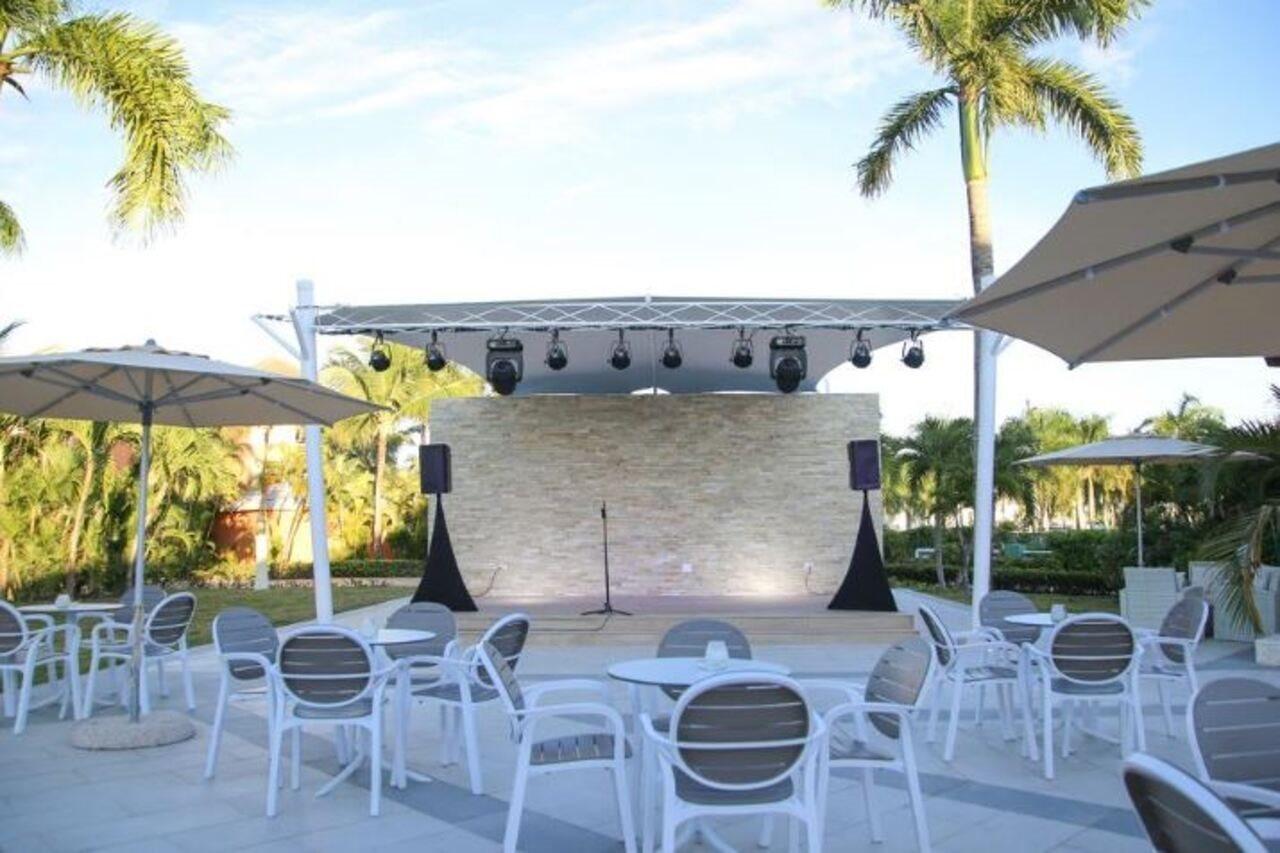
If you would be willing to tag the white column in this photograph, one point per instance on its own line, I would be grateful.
(304, 323)
(984, 424)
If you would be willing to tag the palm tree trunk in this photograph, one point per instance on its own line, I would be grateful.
(937, 550)
(77, 522)
(379, 471)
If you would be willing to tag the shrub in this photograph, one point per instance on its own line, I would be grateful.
(354, 568)
(1019, 579)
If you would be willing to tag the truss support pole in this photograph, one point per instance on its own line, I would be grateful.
(304, 324)
(984, 460)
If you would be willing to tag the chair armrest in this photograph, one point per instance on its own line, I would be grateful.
(902, 712)
(103, 629)
(1153, 639)
(43, 619)
(268, 666)
(534, 693)
(575, 709)
(988, 647)
(661, 742)
(1249, 793)
(852, 691)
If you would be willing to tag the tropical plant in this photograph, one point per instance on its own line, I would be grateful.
(933, 460)
(128, 69)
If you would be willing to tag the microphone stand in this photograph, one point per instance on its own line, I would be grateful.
(608, 608)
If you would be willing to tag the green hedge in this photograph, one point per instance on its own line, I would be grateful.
(1019, 579)
(359, 568)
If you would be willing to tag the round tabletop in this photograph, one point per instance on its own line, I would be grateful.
(682, 672)
(1035, 620)
(397, 636)
(72, 607)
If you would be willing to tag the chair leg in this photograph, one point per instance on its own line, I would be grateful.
(144, 692)
(7, 684)
(375, 764)
(1046, 716)
(622, 791)
(275, 740)
(473, 749)
(73, 677)
(295, 759)
(869, 797)
(1139, 730)
(766, 833)
(793, 834)
(188, 688)
(161, 680)
(917, 807)
(978, 709)
(514, 811)
(949, 750)
(215, 733)
(933, 712)
(446, 735)
(1163, 691)
(648, 781)
(24, 700)
(87, 710)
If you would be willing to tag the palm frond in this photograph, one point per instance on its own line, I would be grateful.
(903, 126)
(1032, 22)
(139, 77)
(12, 240)
(914, 18)
(1238, 547)
(1077, 99)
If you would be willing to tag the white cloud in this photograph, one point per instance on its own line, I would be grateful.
(1114, 64)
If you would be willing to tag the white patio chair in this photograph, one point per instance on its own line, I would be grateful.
(980, 663)
(246, 643)
(881, 713)
(164, 635)
(1234, 729)
(1169, 655)
(23, 647)
(739, 744)
(1092, 658)
(462, 686)
(994, 611)
(327, 674)
(602, 748)
(1181, 815)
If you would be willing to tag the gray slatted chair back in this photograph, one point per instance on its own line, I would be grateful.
(944, 645)
(899, 678)
(151, 596)
(13, 629)
(997, 606)
(169, 621)
(1235, 724)
(1185, 620)
(1093, 648)
(423, 616)
(508, 636)
(689, 639)
(755, 729)
(325, 666)
(1180, 814)
(500, 673)
(238, 630)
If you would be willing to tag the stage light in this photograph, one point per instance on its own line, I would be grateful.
(504, 364)
(436, 358)
(860, 352)
(379, 357)
(620, 357)
(913, 351)
(557, 353)
(788, 363)
(741, 356)
(672, 357)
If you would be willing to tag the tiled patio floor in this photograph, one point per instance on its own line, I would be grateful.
(55, 798)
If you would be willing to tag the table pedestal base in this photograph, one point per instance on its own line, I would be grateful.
(159, 728)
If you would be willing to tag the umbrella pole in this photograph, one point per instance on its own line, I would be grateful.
(1138, 490)
(139, 572)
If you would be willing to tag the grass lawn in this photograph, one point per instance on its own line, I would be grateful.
(1074, 603)
(283, 605)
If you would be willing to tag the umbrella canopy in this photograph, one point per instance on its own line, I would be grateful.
(1135, 450)
(149, 385)
(1179, 264)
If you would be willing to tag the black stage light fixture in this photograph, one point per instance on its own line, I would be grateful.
(436, 358)
(557, 352)
(913, 351)
(788, 363)
(504, 364)
(741, 356)
(672, 357)
(379, 357)
(860, 352)
(620, 356)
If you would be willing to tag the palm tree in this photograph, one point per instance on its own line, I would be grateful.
(932, 459)
(139, 78)
(1090, 429)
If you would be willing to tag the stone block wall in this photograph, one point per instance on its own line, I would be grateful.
(711, 494)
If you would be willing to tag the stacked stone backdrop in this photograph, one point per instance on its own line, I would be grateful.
(742, 490)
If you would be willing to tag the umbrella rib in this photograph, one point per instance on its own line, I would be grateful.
(1118, 261)
(1165, 309)
(175, 390)
(229, 393)
(75, 385)
(310, 418)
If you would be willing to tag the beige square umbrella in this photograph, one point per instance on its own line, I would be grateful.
(149, 385)
(1178, 264)
(1135, 450)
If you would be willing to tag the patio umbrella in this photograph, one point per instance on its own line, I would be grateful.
(1135, 450)
(150, 385)
(1179, 264)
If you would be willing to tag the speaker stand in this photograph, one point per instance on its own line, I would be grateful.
(608, 609)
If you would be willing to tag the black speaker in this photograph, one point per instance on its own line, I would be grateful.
(864, 465)
(436, 469)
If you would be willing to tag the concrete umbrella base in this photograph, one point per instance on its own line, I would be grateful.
(159, 728)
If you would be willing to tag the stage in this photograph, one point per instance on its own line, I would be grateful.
(767, 620)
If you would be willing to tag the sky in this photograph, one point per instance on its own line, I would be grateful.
(470, 149)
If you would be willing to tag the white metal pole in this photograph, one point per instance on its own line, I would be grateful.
(136, 673)
(984, 463)
(1137, 466)
(304, 317)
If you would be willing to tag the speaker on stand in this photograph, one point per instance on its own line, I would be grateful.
(441, 578)
(865, 585)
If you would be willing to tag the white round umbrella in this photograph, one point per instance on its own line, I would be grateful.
(1135, 450)
(150, 385)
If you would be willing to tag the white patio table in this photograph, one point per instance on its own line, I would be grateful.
(1038, 620)
(70, 613)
